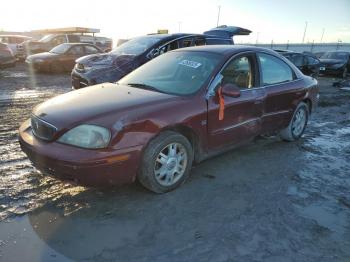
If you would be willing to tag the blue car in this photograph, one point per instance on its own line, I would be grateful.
(112, 66)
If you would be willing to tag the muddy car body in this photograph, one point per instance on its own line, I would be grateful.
(122, 60)
(179, 108)
(61, 58)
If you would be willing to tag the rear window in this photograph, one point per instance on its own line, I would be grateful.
(274, 70)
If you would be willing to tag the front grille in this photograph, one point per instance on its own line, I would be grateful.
(42, 129)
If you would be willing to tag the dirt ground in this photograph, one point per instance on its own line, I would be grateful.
(267, 201)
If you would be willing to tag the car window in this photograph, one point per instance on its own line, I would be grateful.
(60, 49)
(297, 60)
(239, 72)
(91, 50)
(274, 70)
(74, 38)
(179, 72)
(136, 46)
(187, 42)
(59, 40)
(199, 41)
(170, 46)
(311, 60)
(76, 50)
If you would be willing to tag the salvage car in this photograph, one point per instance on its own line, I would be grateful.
(7, 58)
(14, 42)
(178, 109)
(127, 57)
(64, 35)
(335, 63)
(306, 62)
(61, 58)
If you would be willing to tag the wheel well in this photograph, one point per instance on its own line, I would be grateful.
(191, 136)
(309, 104)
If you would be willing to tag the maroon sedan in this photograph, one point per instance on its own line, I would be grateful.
(179, 108)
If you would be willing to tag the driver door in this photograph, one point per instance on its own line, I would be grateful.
(242, 115)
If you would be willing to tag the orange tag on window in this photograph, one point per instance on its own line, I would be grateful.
(221, 105)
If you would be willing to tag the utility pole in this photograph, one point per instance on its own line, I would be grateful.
(322, 35)
(217, 22)
(180, 26)
(305, 31)
(257, 38)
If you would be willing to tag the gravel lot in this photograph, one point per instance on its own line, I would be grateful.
(267, 201)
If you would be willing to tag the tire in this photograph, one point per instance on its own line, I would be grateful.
(161, 169)
(297, 124)
(345, 72)
(56, 68)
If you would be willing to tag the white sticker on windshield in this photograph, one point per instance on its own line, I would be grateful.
(189, 63)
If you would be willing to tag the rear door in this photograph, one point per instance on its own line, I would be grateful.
(242, 115)
(283, 92)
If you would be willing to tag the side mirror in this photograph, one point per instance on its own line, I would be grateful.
(230, 90)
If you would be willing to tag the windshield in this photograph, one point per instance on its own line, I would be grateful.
(60, 49)
(46, 38)
(336, 55)
(136, 46)
(179, 73)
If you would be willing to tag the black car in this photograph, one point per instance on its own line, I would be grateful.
(306, 62)
(111, 67)
(7, 58)
(61, 58)
(335, 63)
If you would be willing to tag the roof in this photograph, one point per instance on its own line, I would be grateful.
(225, 49)
(67, 30)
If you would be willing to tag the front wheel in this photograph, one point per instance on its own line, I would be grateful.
(166, 162)
(298, 123)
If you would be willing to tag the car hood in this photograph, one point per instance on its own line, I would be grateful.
(106, 59)
(328, 61)
(97, 102)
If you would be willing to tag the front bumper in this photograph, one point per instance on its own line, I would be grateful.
(331, 71)
(78, 165)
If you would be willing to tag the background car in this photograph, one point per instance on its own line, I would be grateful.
(14, 42)
(50, 41)
(61, 58)
(181, 107)
(130, 55)
(306, 62)
(335, 63)
(7, 58)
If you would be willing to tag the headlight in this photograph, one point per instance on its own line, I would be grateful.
(87, 136)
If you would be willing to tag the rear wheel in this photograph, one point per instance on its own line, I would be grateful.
(298, 123)
(166, 162)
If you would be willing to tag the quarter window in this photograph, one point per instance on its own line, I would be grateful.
(274, 70)
(91, 50)
(239, 72)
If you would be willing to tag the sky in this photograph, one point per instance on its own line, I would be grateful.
(270, 20)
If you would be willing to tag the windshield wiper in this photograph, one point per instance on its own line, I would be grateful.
(144, 86)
